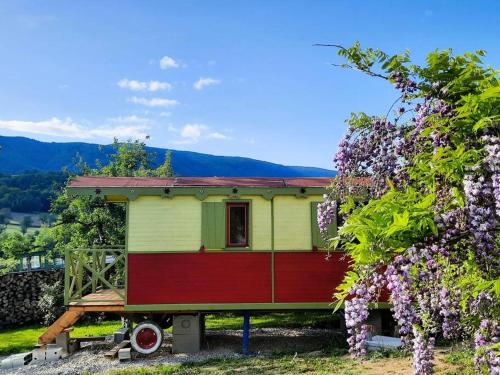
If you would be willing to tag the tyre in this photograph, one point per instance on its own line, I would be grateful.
(147, 337)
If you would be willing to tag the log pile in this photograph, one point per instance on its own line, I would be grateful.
(19, 295)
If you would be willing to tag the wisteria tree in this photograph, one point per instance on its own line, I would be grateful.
(428, 228)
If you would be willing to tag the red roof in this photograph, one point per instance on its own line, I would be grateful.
(102, 182)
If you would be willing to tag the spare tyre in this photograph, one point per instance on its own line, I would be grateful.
(147, 337)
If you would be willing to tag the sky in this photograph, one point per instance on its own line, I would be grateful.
(239, 78)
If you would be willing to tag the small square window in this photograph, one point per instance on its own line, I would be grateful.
(237, 224)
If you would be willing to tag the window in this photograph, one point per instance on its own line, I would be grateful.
(237, 224)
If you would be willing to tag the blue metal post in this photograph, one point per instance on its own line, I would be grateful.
(246, 332)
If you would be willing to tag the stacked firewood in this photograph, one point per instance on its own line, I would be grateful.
(19, 295)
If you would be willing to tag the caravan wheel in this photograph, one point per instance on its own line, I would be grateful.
(146, 337)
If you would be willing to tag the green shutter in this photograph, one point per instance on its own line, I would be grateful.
(317, 239)
(213, 225)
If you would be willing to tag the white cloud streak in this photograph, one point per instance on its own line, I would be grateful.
(143, 85)
(195, 133)
(68, 128)
(154, 102)
(204, 82)
(167, 62)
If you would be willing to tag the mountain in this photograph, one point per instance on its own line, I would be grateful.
(20, 154)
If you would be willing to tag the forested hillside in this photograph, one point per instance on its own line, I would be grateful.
(31, 191)
(19, 154)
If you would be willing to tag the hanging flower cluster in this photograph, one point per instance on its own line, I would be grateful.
(450, 312)
(368, 149)
(423, 353)
(357, 311)
(327, 213)
(400, 286)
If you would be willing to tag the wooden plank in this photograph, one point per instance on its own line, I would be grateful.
(98, 308)
(112, 353)
(89, 338)
(68, 319)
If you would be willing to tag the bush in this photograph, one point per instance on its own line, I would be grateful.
(51, 302)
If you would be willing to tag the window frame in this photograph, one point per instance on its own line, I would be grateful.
(246, 205)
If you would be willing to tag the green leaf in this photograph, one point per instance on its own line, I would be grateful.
(492, 92)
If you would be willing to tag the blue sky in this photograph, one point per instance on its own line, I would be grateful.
(220, 77)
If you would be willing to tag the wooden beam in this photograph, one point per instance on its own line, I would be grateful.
(112, 353)
(97, 308)
(66, 320)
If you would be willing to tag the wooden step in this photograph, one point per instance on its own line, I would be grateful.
(66, 320)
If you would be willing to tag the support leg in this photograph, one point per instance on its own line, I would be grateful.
(246, 332)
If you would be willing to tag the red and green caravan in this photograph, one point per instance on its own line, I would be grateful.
(208, 244)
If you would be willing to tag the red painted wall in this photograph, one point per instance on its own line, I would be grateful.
(199, 278)
(238, 277)
(307, 276)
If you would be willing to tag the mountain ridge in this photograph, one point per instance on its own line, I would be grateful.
(21, 154)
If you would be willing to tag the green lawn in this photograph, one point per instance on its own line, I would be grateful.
(330, 360)
(22, 339)
(448, 362)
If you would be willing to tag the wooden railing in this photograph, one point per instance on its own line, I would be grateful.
(89, 271)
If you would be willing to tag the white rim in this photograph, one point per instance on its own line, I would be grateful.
(159, 335)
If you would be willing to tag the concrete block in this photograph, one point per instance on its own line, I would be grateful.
(186, 344)
(16, 360)
(62, 340)
(187, 325)
(38, 354)
(121, 334)
(53, 352)
(124, 354)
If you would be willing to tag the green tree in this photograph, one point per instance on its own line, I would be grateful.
(26, 223)
(165, 169)
(89, 221)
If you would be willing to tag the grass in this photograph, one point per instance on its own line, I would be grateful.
(289, 320)
(22, 339)
(377, 363)
(454, 360)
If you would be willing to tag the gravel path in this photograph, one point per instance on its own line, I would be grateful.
(218, 344)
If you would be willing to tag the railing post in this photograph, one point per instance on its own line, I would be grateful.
(66, 275)
(95, 268)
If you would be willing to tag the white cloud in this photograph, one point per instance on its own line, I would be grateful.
(70, 129)
(167, 62)
(154, 102)
(204, 82)
(132, 119)
(165, 114)
(194, 133)
(217, 135)
(143, 85)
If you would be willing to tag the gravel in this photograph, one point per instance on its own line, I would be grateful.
(218, 344)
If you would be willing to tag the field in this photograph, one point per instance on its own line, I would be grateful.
(14, 220)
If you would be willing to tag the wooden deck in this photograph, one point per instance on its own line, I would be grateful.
(105, 300)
